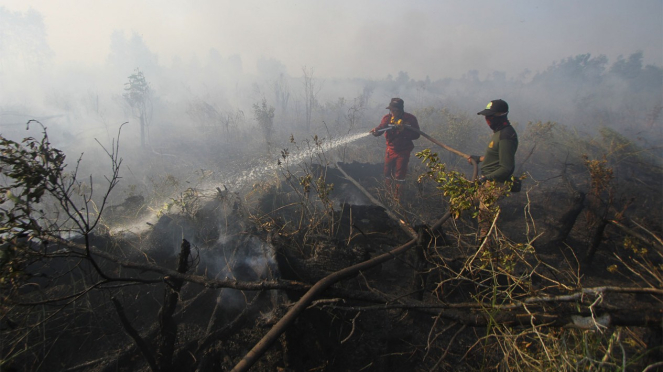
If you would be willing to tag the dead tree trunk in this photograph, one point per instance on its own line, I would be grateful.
(568, 219)
(168, 338)
(597, 238)
(563, 227)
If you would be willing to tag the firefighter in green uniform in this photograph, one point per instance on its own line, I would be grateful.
(499, 161)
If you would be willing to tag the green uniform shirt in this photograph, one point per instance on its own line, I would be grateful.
(500, 158)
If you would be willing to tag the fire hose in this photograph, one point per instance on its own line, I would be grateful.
(461, 154)
(272, 335)
(450, 149)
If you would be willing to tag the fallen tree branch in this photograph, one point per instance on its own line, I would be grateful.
(412, 304)
(481, 315)
(261, 347)
(142, 345)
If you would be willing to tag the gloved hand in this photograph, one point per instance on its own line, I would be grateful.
(476, 158)
(481, 180)
(374, 132)
(398, 125)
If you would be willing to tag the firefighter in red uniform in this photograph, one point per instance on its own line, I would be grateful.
(399, 144)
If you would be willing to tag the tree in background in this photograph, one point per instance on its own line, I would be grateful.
(311, 91)
(24, 45)
(265, 117)
(138, 96)
(282, 93)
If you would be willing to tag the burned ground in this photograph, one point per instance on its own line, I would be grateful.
(577, 282)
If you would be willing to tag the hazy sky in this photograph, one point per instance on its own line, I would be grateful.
(357, 38)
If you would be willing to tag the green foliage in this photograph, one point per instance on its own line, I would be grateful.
(35, 173)
(33, 168)
(462, 193)
(459, 190)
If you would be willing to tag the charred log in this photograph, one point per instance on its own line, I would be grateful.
(560, 230)
(597, 238)
(166, 346)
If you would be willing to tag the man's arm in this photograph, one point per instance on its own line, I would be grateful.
(383, 124)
